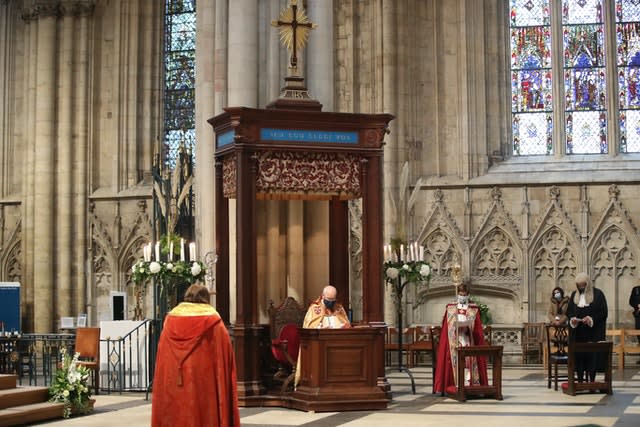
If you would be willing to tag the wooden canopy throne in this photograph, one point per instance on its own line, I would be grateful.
(292, 150)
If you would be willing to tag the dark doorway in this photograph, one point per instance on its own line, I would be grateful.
(118, 307)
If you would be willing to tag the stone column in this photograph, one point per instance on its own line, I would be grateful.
(63, 166)
(29, 83)
(80, 238)
(44, 227)
(320, 53)
(388, 61)
(243, 63)
(206, 62)
(6, 48)
(129, 55)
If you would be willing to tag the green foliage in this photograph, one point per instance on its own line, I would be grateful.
(70, 385)
(485, 314)
(165, 240)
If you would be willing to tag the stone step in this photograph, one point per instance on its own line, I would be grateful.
(28, 414)
(8, 381)
(23, 396)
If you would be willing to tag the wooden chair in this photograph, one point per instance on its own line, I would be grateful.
(285, 339)
(421, 343)
(493, 354)
(556, 351)
(532, 341)
(88, 345)
(392, 342)
(604, 348)
(434, 336)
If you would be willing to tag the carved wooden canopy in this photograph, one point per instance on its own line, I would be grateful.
(305, 155)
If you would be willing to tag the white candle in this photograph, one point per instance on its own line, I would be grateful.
(157, 251)
(421, 253)
(170, 251)
(401, 253)
(192, 251)
(182, 250)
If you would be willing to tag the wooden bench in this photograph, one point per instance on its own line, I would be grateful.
(493, 354)
(616, 336)
(625, 341)
(631, 345)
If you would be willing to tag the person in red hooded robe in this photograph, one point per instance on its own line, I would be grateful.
(461, 326)
(194, 383)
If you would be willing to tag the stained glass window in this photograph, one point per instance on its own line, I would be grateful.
(628, 61)
(179, 78)
(584, 76)
(531, 77)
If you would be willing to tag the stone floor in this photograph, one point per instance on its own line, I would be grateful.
(527, 402)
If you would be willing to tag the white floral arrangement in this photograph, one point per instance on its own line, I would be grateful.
(403, 267)
(170, 272)
(70, 385)
(408, 271)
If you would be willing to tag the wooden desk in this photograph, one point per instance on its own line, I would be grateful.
(341, 370)
(604, 386)
(493, 354)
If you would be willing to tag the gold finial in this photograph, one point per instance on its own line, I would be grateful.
(294, 29)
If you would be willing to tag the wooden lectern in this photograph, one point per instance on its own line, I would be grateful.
(339, 370)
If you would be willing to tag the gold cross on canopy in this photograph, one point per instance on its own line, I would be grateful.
(294, 28)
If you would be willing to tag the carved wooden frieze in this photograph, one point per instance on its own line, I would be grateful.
(307, 174)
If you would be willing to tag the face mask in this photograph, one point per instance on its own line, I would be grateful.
(329, 304)
(463, 299)
(557, 296)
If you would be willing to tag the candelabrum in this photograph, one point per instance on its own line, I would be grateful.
(401, 269)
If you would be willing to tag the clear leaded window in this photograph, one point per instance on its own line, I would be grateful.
(179, 77)
(567, 40)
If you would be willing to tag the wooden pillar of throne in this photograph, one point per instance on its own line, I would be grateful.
(293, 152)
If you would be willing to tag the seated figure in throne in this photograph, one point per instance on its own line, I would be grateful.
(325, 312)
(461, 326)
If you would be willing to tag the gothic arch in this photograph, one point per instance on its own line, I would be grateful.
(495, 252)
(555, 256)
(442, 240)
(613, 253)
